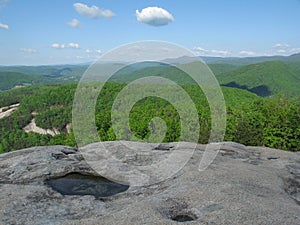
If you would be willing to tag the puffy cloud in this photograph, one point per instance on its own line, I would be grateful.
(154, 16)
(74, 23)
(247, 53)
(4, 26)
(93, 11)
(62, 46)
(28, 50)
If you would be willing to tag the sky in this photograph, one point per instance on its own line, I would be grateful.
(35, 32)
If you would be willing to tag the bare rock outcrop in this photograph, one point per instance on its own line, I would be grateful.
(32, 127)
(243, 185)
(8, 110)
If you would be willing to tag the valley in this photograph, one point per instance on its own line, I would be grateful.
(262, 105)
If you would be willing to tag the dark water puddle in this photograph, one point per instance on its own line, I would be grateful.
(79, 184)
(184, 218)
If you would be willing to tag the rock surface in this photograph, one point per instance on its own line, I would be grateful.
(32, 127)
(8, 110)
(244, 185)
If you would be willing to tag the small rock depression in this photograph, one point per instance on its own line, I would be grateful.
(178, 210)
(79, 184)
(184, 217)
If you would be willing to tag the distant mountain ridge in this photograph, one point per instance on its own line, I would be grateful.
(237, 61)
(241, 61)
(265, 75)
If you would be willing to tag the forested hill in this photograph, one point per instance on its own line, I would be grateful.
(264, 76)
(41, 115)
(9, 80)
(264, 79)
(251, 120)
(22, 76)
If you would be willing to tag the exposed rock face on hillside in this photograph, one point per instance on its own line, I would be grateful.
(32, 127)
(244, 185)
(8, 110)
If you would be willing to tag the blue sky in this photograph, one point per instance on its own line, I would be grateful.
(34, 32)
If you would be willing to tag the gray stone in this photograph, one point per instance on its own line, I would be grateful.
(243, 185)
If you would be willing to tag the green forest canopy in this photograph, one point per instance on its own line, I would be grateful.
(251, 120)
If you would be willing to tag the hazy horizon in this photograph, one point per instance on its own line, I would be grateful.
(88, 63)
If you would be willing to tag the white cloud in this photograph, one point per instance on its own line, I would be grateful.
(154, 16)
(279, 45)
(221, 52)
(73, 45)
(295, 50)
(74, 23)
(28, 50)
(205, 52)
(278, 49)
(93, 11)
(96, 51)
(58, 46)
(281, 51)
(4, 26)
(247, 53)
(285, 49)
(199, 49)
(62, 46)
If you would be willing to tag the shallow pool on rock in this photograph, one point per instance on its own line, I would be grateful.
(79, 184)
